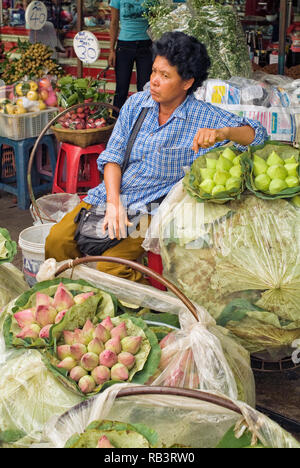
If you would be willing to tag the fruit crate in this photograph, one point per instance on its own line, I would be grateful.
(19, 127)
(8, 168)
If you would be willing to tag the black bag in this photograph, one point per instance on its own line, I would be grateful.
(89, 236)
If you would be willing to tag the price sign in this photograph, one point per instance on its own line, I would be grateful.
(86, 47)
(36, 15)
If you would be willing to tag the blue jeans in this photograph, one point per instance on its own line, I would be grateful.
(128, 53)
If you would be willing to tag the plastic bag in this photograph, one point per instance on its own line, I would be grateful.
(226, 367)
(54, 207)
(177, 420)
(248, 253)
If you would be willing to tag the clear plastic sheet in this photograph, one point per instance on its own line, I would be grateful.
(250, 253)
(54, 207)
(177, 420)
(222, 365)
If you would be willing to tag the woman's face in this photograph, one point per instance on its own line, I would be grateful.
(166, 85)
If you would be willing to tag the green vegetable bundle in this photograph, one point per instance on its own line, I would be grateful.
(73, 91)
(273, 171)
(218, 177)
(8, 248)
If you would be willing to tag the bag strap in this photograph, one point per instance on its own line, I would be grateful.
(133, 136)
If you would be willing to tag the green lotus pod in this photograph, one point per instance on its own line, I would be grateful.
(274, 159)
(292, 181)
(236, 171)
(211, 163)
(292, 169)
(262, 182)
(221, 177)
(207, 185)
(276, 186)
(233, 183)
(277, 172)
(229, 154)
(223, 164)
(218, 189)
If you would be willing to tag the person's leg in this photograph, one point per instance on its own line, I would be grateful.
(144, 63)
(60, 243)
(130, 249)
(124, 65)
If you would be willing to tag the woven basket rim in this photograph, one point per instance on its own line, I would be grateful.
(68, 131)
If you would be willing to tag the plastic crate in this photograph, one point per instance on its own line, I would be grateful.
(8, 168)
(19, 127)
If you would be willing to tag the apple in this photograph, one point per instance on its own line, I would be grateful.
(207, 186)
(274, 159)
(218, 189)
(220, 177)
(277, 172)
(262, 182)
(233, 183)
(276, 186)
(292, 181)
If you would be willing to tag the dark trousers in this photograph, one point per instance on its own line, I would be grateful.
(128, 53)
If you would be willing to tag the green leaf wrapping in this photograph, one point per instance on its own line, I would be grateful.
(192, 180)
(8, 248)
(285, 151)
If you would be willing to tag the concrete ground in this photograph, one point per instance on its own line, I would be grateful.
(278, 393)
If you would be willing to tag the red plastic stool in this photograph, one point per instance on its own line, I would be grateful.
(155, 263)
(76, 168)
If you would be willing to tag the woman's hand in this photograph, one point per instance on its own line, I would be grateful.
(116, 221)
(111, 61)
(207, 137)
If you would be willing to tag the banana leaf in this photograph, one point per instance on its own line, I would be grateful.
(285, 151)
(8, 248)
(192, 180)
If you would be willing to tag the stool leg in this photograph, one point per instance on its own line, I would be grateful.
(73, 160)
(22, 158)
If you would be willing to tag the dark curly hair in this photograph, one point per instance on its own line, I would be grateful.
(186, 53)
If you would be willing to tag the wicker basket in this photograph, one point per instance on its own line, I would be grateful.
(83, 138)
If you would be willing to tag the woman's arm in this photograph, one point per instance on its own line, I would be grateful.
(206, 137)
(115, 217)
(113, 31)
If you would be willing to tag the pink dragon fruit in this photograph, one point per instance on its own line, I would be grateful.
(107, 323)
(127, 359)
(87, 384)
(44, 333)
(114, 345)
(77, 373)
(80, 298)
(119, 331)
(104, 442)
(25, 318)
(63, 299)
(32, 331)
(131, 344)
(101, 374)
(108, 358)
(45, 315)
(101, 333)
(119, 372)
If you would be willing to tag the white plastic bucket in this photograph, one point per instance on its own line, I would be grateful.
(32, 242)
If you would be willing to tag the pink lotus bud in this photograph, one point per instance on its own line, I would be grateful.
(77, 350)
(101, 374)
(119, 372)
(44, 333)
(89, 361)
(69, 337)
(167, 340)
(119, 331)
(114, 344)
(32, 331)
(63, 351)
(108, 358)
(95, 346)
(107, 323)
(87, 384)
(80, 298)
(45, 315)
(104, 442)
(126, 359)
(25, 318)
(63, 299)
(43, 300)
(101, 333)
(131, 344)
(68, 363)
(60, 316)
(87, 333)
(77, 373)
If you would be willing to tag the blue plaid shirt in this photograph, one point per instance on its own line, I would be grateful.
(160, 153)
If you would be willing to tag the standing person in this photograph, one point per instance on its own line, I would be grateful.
(132, 45)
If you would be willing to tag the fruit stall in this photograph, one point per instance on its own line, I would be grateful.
(189, 359)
